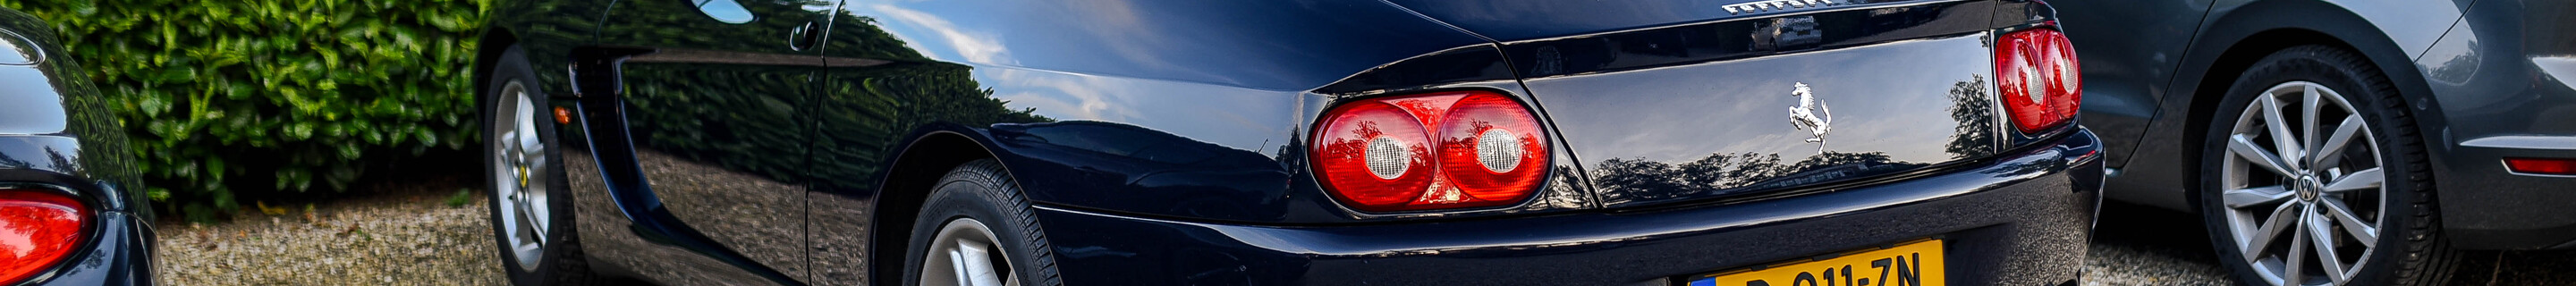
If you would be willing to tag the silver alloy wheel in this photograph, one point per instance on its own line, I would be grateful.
(963, 254)
(517, 152)
(2301, 202)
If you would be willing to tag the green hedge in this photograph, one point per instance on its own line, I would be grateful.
(257, 97)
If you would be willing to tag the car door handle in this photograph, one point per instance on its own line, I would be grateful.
(805, 37)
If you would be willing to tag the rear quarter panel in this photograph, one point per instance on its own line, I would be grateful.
(2129, 50)
(2502, 75)
(56, 131)
(56, 123)
(1173, 109)
(2236, 33)
(1200, 94)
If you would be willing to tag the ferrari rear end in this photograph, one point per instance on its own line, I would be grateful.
(71, 212)
(1793, 142)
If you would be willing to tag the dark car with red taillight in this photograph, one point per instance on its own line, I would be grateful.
(71, 209)
(2341, 142)
(1321, 142)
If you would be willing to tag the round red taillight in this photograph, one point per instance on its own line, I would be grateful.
(1376, 151)
(2039, 79)
(37, 229)
(1489, 147)
(1384, 154)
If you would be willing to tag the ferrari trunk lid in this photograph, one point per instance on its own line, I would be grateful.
(1686, 103)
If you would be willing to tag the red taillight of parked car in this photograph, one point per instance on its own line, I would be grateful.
(2545, 166)
(37, 229)
(2037, 74)
(1442, 150)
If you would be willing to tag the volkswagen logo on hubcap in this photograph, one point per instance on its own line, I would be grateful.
(2306, 187)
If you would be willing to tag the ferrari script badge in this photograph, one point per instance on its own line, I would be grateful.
(1780, 5)
(1811, 114)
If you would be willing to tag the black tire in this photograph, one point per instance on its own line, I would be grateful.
(982, 191)
(560, 261)
(2410, 249)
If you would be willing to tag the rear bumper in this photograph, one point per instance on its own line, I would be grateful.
(2486, 206)
(2503, 87)
(2022, 219)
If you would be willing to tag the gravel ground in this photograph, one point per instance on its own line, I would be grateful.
(397, 233)
(404, 233)
(2138, 245)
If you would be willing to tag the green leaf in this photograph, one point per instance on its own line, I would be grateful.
(461, 198)
(215, 166)
(154, 105)
(348, 151)
(425, 136)
(176, 76)
(299, 131)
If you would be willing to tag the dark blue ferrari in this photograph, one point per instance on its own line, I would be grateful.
(72, 208)
(1300, 142)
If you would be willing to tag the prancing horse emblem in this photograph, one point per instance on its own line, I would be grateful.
(1811, 115)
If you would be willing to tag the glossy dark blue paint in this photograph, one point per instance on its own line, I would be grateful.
(1994, 214)
(56, 135)
(2484, 80)
(696, 128)
(637, 201)
(1640, 128)
(687, 105)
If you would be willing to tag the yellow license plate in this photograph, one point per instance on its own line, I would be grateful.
(1916, 263)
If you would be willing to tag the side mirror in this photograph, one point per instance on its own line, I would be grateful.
(726, 11)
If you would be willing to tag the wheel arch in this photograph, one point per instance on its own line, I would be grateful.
(2208, 93)
(2234, 40)
(487, 53)
(916, 168)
